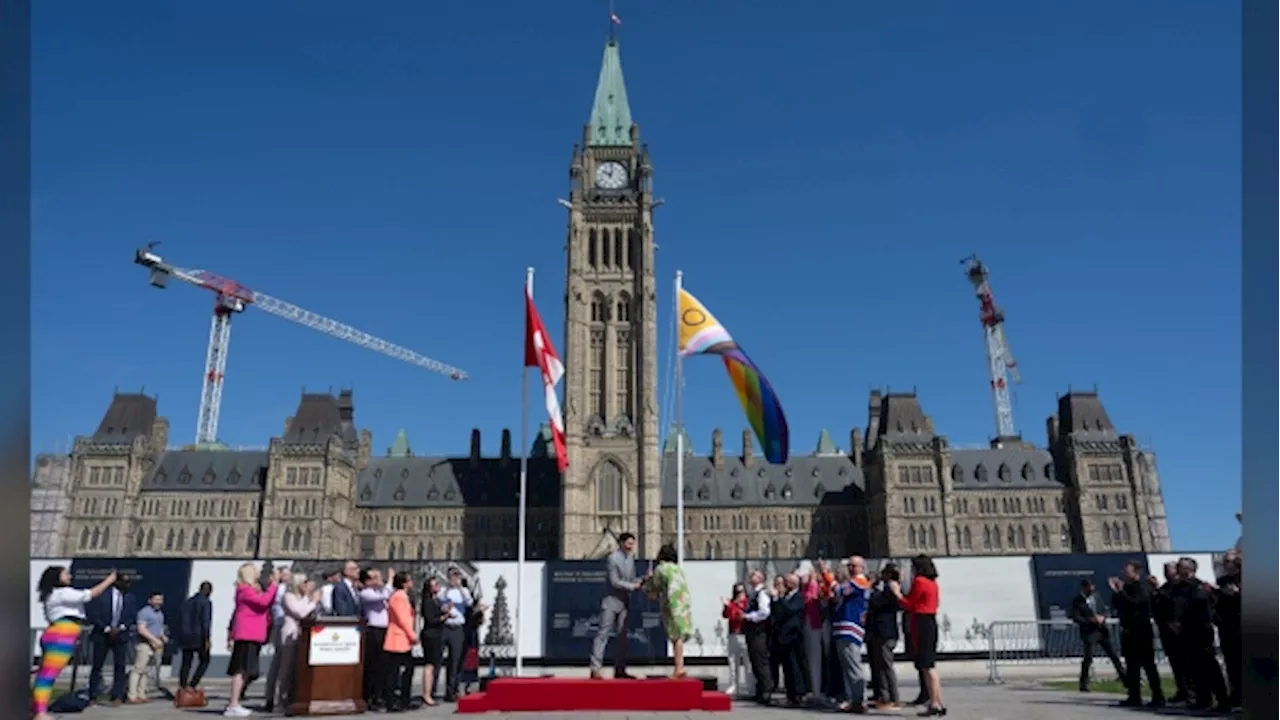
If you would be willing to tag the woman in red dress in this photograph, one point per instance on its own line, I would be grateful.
(922, 604)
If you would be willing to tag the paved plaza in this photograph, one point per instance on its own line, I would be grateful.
(968, 697)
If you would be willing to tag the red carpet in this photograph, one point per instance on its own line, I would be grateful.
(568, 694)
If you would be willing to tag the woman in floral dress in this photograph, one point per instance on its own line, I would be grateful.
(667, 584)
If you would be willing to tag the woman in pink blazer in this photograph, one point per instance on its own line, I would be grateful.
(249, 622)
(401, 636)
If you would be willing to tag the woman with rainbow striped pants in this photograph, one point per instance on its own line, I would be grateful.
(64, 610)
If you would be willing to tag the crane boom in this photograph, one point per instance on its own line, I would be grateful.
(1001, 366)
(232, 298)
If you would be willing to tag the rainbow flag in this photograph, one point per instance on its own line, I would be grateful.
(702, 334)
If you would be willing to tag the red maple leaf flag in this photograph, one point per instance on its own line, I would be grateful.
(539, 353)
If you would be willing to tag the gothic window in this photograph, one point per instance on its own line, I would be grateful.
(906, 506)
(1124, 531)
(291, 476)
(764, 549)
(160, 477)
(707, 553)
(1106, 534)
(736, 492)
(1017, 505)
(231, 540)
(209, 476)
(605, 246)
(1093, 473)
(996, 537)
(986, 537)
(631, 249)
(623, 314)
(592, 256)
(399, 494)
(1028, 472)
(448, 551)
(786, 491)
(1122, 502)
(1022, 537)
(184, 477)
(916, 476)
(623, 379)
(926, 475)
(95, 476)
(599, 310)
(1011, 538)
(959, 538)
(911, 537)
(957, 473)
(431, 551)
(1004, 473)
(904, 475)
(933, 537)
(1058, 505)
(770, 492)
(391, 551)
(1035, 537)
(980, 473)
(596, 363)
(968, 539)
(704, 493)
(234, 477)
(609, 488)
(715, 551)
(117, 478)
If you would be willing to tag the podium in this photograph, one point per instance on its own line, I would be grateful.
(330, 668)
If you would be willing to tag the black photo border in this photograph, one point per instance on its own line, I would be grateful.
(1260, 235)
(15, 354)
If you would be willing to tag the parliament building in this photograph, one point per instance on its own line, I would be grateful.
(320, 490)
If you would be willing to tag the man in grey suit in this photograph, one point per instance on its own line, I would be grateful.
(614, 607)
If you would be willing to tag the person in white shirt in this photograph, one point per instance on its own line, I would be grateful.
(755, 630)
(326, 592)
(456, 600)
(64, 611)
(277, 624)
(373, 595)
(301, 601)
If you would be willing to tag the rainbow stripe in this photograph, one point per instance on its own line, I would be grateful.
(701, 334)
(57, 644)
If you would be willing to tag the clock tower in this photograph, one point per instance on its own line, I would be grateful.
(611, 413)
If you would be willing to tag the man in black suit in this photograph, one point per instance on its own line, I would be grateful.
(1093, 632)
(1227, 604)
(1132, 598)
(346, 602)
(112, 616)
(194, 631)
(788, 638)
(1193, 618)
(1162, 609)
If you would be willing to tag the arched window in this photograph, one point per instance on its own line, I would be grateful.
(715, 555)
(391, 551)
(1064, 537)
(986, 537)
(631, 248)
(1106, 534)
(1125, 533)
(959, 538)
(1022, 537)
(605, 246)
(624, 308)
(599, 310)
(431, 550)
(1011, 538)
(448, 551)
(688, 548)
(933, 537)
(968, 539)
(707, 554)
(609, 487)
(222, 540)
(795, 549)
(151, 538)
(911, 537)
(618, 256)
(773, 548)
(138, 539)
(997, 538)
(764, 549)
(231, 540)
(1035, 537)
(593, 258)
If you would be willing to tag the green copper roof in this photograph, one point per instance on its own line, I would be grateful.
(400, 448)
(825, 445)
(610, 115)
(544, 445)
(670, 445)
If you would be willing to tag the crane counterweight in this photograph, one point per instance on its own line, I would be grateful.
(232, 298)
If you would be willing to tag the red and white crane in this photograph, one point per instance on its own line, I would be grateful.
(230, 298)
(1000, 363)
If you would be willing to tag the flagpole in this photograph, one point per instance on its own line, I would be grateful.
(679, 429)
(524, 478)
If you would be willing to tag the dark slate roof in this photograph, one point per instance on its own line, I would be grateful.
(321, 416)
(208, 471)
(1081, 414)
(426, 482)
(1022, 468)
(902, 419)
(802, 481)
(130, 415)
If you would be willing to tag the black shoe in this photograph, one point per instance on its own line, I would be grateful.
(1130, 702)
(270, 707)
(933, 712)
(624, 675)
(1156, 703)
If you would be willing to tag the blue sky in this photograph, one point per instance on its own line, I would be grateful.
(824, 170)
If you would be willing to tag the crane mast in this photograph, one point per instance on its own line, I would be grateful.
(232, 298)
(1001, 366)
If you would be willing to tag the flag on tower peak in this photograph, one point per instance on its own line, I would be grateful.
(539, 353)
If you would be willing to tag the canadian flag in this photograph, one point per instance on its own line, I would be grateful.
(539, 353)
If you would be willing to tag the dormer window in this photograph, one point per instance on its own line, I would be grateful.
(398, 496)
(736, 492)
(957, 473)
(184, 477)
(1004, 473)
(450, 494)
(209, 476)
(1028, 472)
(788, 472)
(377, 474)
(770, 492)
(817, 472)
(786, 492)
(980, 473)
(161, 476)
(404, 474)
(1048, 471)
(688, 493)
(706, 473)
(366, 494)
(704, 493)
(233, 478)
(433, 494)
(761, 472)
(819, 490)
(733, 472)
(843, 471)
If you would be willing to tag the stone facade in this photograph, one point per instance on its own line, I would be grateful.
(318, 491)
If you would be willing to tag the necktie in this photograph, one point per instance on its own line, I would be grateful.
(115, 608)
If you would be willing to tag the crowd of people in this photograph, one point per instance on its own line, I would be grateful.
(270, 608)
(1182, 613)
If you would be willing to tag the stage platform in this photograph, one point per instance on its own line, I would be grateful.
(564, 694)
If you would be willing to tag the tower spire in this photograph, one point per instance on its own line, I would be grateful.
(610, 124)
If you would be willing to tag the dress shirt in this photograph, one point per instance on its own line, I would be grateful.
(373, 603)
(326, 600)
(459, 600)
(763, 602)
(277, 607)
(117, 602)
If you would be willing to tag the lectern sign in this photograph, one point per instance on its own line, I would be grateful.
(334, 645)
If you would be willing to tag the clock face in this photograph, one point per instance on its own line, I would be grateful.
(611, 176)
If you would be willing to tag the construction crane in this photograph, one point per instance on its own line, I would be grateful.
(1000, 363)
(231, 298)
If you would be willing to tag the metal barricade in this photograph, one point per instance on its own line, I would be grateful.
(1044, 644)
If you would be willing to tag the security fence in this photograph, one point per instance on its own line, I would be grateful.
(1046, 643)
